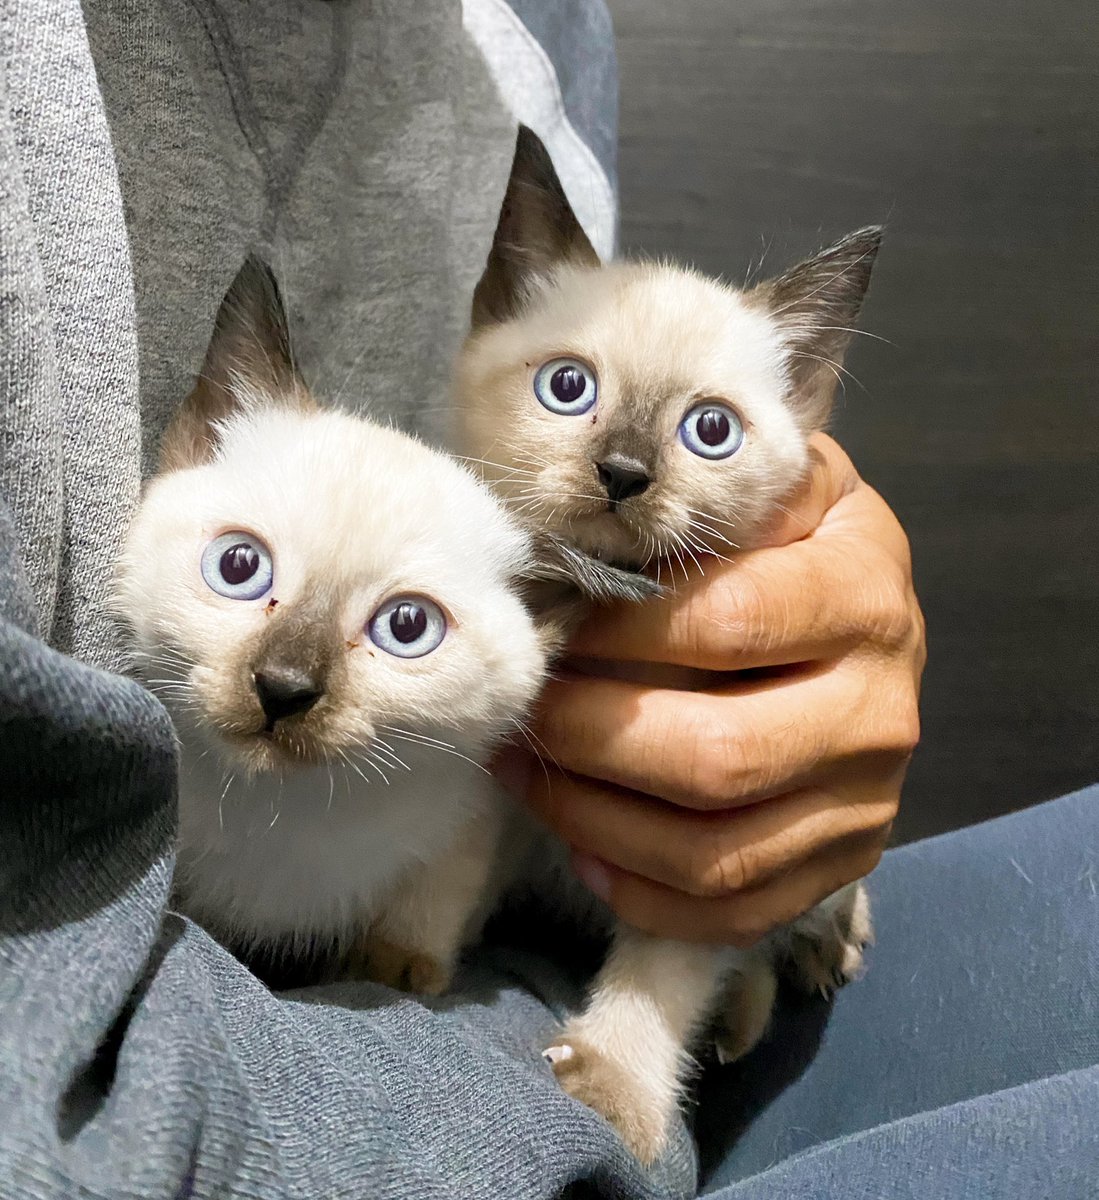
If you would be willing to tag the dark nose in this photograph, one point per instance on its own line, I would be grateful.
(286, 691)
(623, 477)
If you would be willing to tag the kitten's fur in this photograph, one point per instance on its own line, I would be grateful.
(660, 339)
(312, 829)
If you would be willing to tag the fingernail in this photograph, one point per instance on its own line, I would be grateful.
(511, 769)
(593, 875)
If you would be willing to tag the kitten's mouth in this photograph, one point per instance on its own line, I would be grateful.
(606, 533)
(265, 749)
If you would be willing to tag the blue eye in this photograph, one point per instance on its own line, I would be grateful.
(407, 626)
(566, 387)
(237, 565)
(711, 431)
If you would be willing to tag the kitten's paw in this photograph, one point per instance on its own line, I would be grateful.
(827, 959)
(595, 1079)
(746, 1012)
(378, 959)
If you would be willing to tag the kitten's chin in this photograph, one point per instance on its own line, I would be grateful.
(259, 753)
(605, 535)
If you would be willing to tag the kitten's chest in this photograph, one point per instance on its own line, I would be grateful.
(315, 853)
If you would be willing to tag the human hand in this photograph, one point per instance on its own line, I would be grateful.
(720, 813)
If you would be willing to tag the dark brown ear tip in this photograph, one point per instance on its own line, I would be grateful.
(255, 279)
(864, 242)
(527, 142)
(532, 159)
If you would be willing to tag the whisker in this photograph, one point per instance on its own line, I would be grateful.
(354, 767)
(221, 801)
(381, 745)
(433, 744)
(369, 760)
(408, 733)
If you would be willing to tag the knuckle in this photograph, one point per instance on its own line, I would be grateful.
(711, 776)
(720, 615)
(903, 734)
(888, 609)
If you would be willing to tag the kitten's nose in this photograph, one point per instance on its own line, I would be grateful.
(286, 691)
(623, 477)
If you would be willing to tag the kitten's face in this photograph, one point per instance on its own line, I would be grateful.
(323, 583)
(636, 409)
(640, 410)
(304, 585)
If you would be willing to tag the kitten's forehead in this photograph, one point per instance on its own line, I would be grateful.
(662, 330)
(353, 502)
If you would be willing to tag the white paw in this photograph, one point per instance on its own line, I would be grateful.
(597, 1080)
(746, 1011)
(831, 956)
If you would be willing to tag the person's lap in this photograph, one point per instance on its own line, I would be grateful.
(965, 1061)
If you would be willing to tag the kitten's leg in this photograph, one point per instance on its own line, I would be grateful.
(747, 1005)
(626, 1053)
(825, 946)
(414, 942)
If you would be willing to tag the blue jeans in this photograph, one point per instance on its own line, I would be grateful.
(965, 1063)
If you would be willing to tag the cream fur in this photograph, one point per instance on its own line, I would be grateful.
(660, 339)
(284, 852)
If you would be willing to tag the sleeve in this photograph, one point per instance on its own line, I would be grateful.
(139, 1060)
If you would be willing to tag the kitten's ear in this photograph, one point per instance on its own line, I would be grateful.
(249, 358)
(815, 305)
(537, 231)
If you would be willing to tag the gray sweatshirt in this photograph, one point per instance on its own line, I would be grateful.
(362, 148)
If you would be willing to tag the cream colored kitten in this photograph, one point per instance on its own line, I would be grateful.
(329, 609)
(647, 413)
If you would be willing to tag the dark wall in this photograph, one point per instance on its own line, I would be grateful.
(972, 129)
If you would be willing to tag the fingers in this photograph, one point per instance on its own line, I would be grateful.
(847, 583)
(832, 475)
(733, 745)
(739, 918)
(712, 854)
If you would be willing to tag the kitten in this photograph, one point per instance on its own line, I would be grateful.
(642, 412)
(330, 611)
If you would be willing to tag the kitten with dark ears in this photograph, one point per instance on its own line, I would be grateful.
(647, 415)
(331, 611)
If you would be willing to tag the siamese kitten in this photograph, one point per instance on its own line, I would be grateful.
(644, 412)
(330, 611)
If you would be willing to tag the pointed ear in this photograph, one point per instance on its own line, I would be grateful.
(815, 306)
(249, 357)
(537, 231)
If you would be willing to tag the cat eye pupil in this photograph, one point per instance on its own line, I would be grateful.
(408, 622)
(239, 563)
(408, 626)
(568, 384)
(238, 566)
(712, 431)
(712, 427)
(565, 386)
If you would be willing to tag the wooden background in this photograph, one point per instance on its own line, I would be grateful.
(972, 129)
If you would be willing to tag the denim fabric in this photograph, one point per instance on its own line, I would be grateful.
(140, 1061)
(964, 1063)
